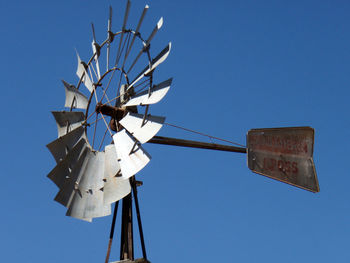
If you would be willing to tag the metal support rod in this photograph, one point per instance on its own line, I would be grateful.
(112, 231)
(127, 242)
(196, 144)
(133, 184)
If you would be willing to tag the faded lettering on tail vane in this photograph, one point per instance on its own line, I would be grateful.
(284, 154)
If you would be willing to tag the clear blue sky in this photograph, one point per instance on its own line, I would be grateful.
(236, 65)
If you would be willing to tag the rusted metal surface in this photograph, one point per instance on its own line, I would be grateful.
(127, 240)
(111, 234)
(139, 260)
(196, 144)
(111, 111)
(284, 154)
(138, 214)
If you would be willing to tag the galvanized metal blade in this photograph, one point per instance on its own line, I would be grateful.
(115, 187)
(155, 30)
(126, 15)
(143, 128)
(61, 146)
(94, 173)
(146, 44)
(109, 36)
(87, 205)
(88, 198)
(156, 93)
(84, 203)
(65, 195)
(83, 75)
(137, 31)
(155, 62)
(74, 98)
(67, 121)
(96, 51)
(132, 157)
(61, 173)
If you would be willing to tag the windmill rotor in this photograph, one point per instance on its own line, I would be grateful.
(107, 119)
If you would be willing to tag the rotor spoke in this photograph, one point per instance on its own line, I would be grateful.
(107, 125)
(103, 138)
(92, 114)
(109, 82)
(93, 138)
(94, 122)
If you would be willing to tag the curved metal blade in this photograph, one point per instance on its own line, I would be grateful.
(74, 98)
(61, 173)
(148, 41)
(109, 32)
(65, 195)
(61, 146)
(126, 15)
(141, 127)
(67, 121)
(155, 62)
(115, 187)
(132, 157)
(155, 30)
(83, 75)
(94, 173)
(156, 93)
(95, 51)
(86, 205)
(136, 33)
(87, 201)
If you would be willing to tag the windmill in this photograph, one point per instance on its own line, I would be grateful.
(108, 118)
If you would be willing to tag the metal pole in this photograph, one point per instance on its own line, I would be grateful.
(196, 144)
(127, 243)
(112, 231)
(139, 218)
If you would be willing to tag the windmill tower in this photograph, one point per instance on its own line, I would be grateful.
(108, 118)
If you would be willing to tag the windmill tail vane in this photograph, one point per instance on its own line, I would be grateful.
(107, 119)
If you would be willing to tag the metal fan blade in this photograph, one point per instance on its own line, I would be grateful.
(155, 62)
(88, 205)
(155, 30)
(109, 36)
(67, 191)
(83, 190)
(148, 41)
(83, 75)
(74, 98)
(126, 15)
(60, 147)
(156, 93)
(132, 157)
(61, 173)
(141, 127)
(95, 51)
(87, 201)
(94, 173)
(136, 33)
(115, 187)
(67, 121)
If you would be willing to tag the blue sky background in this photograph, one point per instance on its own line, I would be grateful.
(236, 65)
